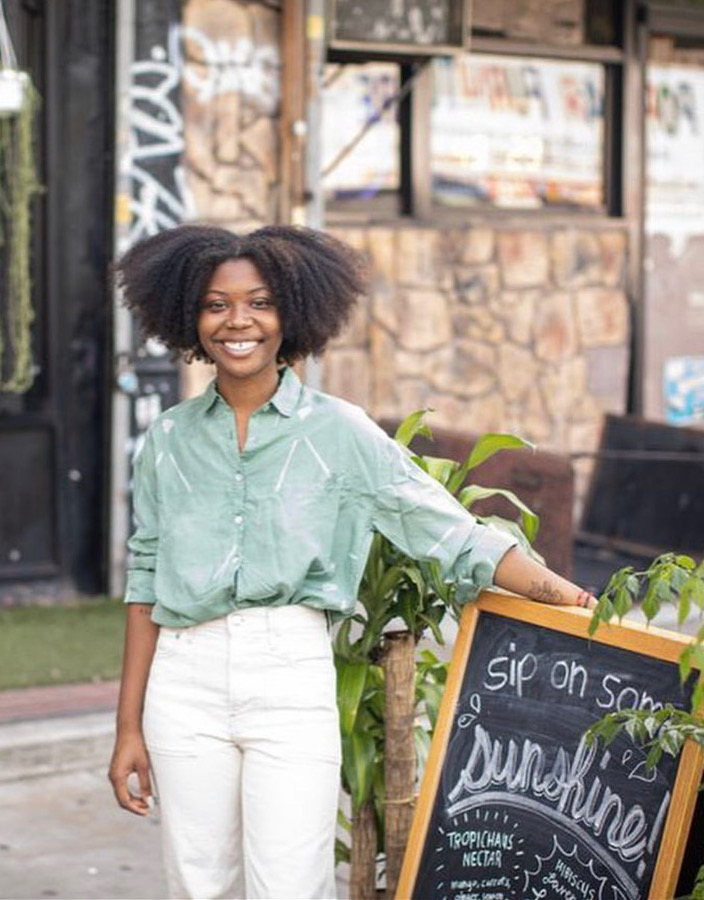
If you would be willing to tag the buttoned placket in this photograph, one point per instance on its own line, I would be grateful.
(238, 493)
(239, 483)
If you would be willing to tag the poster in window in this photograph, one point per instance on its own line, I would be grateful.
(517, 132)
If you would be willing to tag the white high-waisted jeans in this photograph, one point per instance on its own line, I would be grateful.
(241, 724)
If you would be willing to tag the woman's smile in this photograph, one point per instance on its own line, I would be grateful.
(239, 326)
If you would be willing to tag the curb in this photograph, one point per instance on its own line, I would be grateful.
(45, 746)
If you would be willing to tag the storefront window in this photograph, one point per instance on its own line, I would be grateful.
(361, 152)
(513, 132)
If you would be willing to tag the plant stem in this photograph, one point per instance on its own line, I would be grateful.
(399, 753)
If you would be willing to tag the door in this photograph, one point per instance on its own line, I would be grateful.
(53, 456)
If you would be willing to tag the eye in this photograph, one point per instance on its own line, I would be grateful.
(262, 303)
(213, 305)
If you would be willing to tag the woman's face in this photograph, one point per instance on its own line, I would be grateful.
(239, 326)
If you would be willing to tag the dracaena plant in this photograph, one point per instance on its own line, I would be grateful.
(398, 589)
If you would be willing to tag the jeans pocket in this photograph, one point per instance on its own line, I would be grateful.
(305, 643)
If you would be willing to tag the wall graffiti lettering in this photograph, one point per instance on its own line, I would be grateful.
(159, 194)
(215, 67)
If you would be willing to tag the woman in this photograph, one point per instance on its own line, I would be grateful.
(255, 504)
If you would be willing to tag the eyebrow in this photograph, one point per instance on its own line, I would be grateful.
(254, 290)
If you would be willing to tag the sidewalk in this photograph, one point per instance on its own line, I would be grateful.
(61, 833)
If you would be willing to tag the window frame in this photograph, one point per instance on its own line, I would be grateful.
(415, 199)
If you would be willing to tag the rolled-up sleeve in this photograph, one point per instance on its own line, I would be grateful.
(142, 546)
(419, 516)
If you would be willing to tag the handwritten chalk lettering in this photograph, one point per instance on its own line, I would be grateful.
(479, 839)
(511, 670)
(564, 874)
(570, 677)
(569, 783)
(615, 697)
(473, 859)
(565, 882)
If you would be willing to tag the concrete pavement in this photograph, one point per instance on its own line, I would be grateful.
(63, 836)
(61, 833)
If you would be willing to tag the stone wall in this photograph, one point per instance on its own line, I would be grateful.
(496, 328)
(230, 93)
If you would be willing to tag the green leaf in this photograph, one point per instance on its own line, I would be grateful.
(654, 756)
(358, 764)
(412, 425)
(685, 663)
(651, 602)
(433, 626)
(489, 444)
(351, 680)
(698, 695)
(622, 602)
(342, 852)
(529, 521)
(440, 469)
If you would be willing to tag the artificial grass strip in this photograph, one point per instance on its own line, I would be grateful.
(61, 644)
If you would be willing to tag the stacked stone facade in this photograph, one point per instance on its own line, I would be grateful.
(495, 328)
(230, 94)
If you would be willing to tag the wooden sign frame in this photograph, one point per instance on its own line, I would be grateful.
(627, 635)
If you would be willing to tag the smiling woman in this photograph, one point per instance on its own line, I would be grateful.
(256, 504)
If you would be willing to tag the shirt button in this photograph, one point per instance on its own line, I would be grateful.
(239, 520)
(239, 476)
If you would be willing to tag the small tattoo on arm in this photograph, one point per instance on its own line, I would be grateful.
(545, 593)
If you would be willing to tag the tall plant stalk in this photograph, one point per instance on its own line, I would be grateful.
(400, 763)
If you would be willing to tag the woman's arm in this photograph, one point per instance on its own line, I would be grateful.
(518, 573)
(130, 753)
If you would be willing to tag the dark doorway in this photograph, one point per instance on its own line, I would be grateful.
(54, 437)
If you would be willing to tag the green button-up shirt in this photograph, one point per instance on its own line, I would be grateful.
(290, 518)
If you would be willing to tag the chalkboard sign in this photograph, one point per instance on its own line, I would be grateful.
(514, 804)
(432, 26)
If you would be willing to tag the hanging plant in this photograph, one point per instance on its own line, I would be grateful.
(18, 184)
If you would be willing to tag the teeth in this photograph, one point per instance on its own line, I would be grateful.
(240, 345)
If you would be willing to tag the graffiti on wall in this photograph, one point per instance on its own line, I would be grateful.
(214, 67)
(159, 193)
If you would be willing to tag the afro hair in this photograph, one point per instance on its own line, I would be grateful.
(314, 278)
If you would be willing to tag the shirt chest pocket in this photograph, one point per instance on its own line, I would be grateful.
(300, 519)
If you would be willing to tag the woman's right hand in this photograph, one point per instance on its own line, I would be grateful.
(130, 756)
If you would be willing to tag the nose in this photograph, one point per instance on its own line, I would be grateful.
(238, 316)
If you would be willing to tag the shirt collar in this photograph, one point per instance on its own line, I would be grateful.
(285, 399)
(288, 392)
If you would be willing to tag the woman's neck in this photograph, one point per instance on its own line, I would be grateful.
(246, 396)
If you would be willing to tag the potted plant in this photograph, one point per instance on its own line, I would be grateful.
(388, 692)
